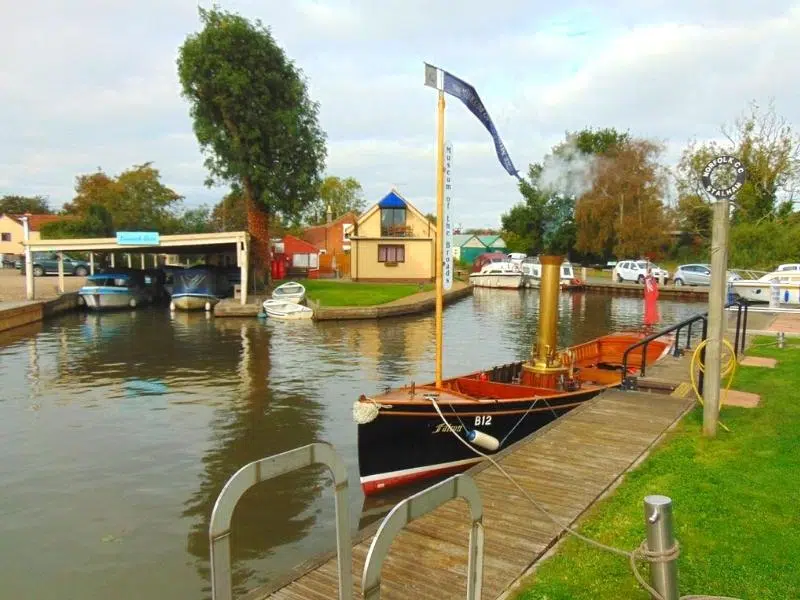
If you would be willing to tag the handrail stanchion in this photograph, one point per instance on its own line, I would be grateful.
(689, 335)
(744, 323)
(701, 376)
(219, 530)
(413, 507)
(738, 324)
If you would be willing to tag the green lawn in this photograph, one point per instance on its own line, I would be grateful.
(736, 507)
(346, 293)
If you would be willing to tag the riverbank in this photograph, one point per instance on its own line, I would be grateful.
(415, 303)
(734, 512)
(18, 313)
(348, 293)
(635, 289)
(12, 286)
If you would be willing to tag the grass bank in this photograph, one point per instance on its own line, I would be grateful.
(735, 504)
(347, 293)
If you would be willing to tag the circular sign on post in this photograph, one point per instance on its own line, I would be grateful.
(726, 189)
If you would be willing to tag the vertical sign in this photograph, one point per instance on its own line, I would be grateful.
(447, 251)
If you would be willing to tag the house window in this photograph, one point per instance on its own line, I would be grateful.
(391, 254)
(5, 237)
(393, 222)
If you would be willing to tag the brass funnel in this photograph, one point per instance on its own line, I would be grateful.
(544, 356)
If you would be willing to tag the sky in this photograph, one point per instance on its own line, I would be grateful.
(90, 83)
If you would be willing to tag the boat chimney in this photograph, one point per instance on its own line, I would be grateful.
(544, 367)
(329, 214)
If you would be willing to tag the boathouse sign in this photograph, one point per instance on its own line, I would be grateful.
(138, 238)
(738, 171)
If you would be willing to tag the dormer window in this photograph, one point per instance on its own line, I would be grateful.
(393, 222)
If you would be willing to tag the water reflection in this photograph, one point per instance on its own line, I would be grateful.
(253, 426)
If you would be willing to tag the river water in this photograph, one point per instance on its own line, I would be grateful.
(118, 430)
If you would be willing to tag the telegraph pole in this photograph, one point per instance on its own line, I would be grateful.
(717, 296)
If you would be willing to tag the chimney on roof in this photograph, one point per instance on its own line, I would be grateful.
(330, 214)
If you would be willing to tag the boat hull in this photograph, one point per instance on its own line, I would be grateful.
(411, 444)
(193, 301)
(508, 281)
(756, 291)
(99, 299)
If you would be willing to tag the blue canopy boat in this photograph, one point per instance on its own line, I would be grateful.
(199, 287)
(123, 289)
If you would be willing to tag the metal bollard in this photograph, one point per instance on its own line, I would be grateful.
(781, 340)
(660, 538)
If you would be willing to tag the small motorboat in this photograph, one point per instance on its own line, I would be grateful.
(286, 309)
(290, 292)
(199, 288)
(114, 289)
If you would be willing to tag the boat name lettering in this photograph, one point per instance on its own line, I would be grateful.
(483, 420)
(443, 428)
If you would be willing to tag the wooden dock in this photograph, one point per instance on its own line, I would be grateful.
(566, 466)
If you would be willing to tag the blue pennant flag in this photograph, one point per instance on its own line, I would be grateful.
(467, 94)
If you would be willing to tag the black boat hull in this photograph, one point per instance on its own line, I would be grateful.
(408, 443)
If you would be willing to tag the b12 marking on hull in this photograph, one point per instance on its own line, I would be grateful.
(483, 420)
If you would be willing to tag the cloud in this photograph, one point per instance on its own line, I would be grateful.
(94, 84)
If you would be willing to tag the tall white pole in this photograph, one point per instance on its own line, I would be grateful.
(26, 236)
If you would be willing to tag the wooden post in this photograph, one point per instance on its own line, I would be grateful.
(143, 263)
(439, 261)
(91, 263)
(130, 261)
(244, 261)
(717, 296)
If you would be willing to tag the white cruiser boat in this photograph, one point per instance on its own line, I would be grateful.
(499, 273)
(123, 289)
(785, 283)
(532, 270)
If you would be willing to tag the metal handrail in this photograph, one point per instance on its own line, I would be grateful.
(741, 330)
(262, 470)
(414, 507)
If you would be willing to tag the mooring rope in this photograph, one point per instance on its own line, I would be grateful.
(642, 552)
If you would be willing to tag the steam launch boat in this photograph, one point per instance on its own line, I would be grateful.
(412, 433)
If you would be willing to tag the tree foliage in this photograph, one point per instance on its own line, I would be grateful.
(341, 195)
(622, 214)
(19, 205)
(230, 214)
(95, 221)
(253, 119)
(770, 150)
(136, 199)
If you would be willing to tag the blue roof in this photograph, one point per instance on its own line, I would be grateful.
(392, 200)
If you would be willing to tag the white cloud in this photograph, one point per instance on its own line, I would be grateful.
(94, 84)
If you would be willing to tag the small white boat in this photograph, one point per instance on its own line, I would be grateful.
(290, 291)
(283, 309)
(114, 289)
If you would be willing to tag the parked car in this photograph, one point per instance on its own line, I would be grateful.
(698, 274)
(47, 262)
(636, 271)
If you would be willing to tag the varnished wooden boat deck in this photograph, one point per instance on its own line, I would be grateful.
(565, 466)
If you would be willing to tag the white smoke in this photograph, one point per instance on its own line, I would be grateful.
(570, 172)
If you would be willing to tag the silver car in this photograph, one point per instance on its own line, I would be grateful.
(698, 274)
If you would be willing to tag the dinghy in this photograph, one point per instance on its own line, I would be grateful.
(290, 292)
(283, 309)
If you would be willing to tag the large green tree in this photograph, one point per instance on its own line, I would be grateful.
(136, 199)
(95, 221)
(254, 120)
(19, 205)
(769, 148)
(340, 195)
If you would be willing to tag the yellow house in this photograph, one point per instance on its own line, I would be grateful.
(11, 231)
(393, 241)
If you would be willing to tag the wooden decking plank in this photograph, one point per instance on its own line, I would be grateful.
(564, 468)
